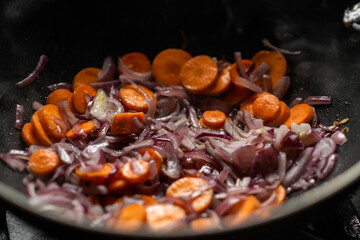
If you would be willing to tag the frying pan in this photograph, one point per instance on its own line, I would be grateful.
(82, 34)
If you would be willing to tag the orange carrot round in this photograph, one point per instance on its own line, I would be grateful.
(117, 185)
(96, 176)
(248, 103)
(283, 116)
(185, 186)
(198, 74)
(47, 115)
(136, 62)
(167, 64)
(39, 130)
(135, 171)
(300, 113)
(86, 76)
(266, 107)
(28, 135)
(276, 62)
(87, 127)
(43, 162)
(222, 83)
(60, 95)
(130, 218)
(242, 211)
(150, 154)
(79, 97)
(214, 119)
(133, 99)
(122, 123)
(162, 216)
(202, 224)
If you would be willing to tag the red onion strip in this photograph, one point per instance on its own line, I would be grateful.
(57, 86)
(247, 84)
(282, 87)
(240, 67)
(108, 70)
(35, 74)
(138, 76)
(19, 116)
(284, 51)
(318, 100)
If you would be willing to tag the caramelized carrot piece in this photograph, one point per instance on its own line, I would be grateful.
(276, 62)
(98, 176)
(185, 186)
(283, 116)
(150, 154)
(86, 76)
(280, 194)
(28, 135)
(162, 216)
(248, 103)
(198, 74)
(167, 64)
(136, 62)
(43, 162)
(117, 184)
(202, 224)
(130, 219)
(39, 131)
(135, 171)
(87, 127)
(300, 113)
(242, 211)
(222, 83)
(60, 95)
(214, 119)
(51, 126)
(133, 99)
(266, 107)
(122, 123)
(79, 97)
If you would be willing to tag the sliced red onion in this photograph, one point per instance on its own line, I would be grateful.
(284, 51)
(296, 101)
(240, 67)
(138, 76)
(266, 83)
(318, 100)
(108, 70)
(193, 119)
(228, 203)
(213, 135)
(243, 157)
(13, 162)
(19, 116)
(173, 165)
(60, 85)
(249, 85)
(291, 140)
(36, 105)
(339, 137)
(282, 87)
(66, 113)
(106, 84)
(173, 91)
(265, 161)
(35, 74)
(330, 165)
(314, 120)
(310, 138)
(259, 72)
(324, 148)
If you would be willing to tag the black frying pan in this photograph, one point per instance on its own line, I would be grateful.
(82, 34)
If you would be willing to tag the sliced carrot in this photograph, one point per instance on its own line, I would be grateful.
(242, 211)
(283, 116)
(248, 103)
(51, 126)
(150, 154)
(135, 171)
(185, 186)
(136, 62)
(130, 219)
(60, 95)
(300, 113)
(28, 135)
(39, 131)
(117, 185)
(222, 84)
(202, 224)
(86, 76)
(214, 119)
(43, 162)
(276, 62)
(133, 99)
(97, 176)
(87, 127)
(280, 194)
(79, 97)
(162, 216)
(236, 93)
(198, 74)
(167, 64)
(122, 123)
(267, 107)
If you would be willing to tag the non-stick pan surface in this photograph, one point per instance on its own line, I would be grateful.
(77, 35)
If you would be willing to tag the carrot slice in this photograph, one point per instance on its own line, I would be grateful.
(222, 83)
(28, 135)
(133, 99)
(122, 123)
(201, 224)
(162, 216)
(79, 97)
(87, 127)
(276, 62)
(300, 113)
(130, 219)
(86, 76)
(248, 103)
(97, 176)
(280, 194)
(135, 171)
(60, 95)
(198, 74)
(266, 107)
(39, 131)
(150, 154)
(242, 211)
(214, 119)
(43, 162)
(117, 185)
(136, 62)
(185, 186)
(283, 116)
(167, 64)
(51, 126)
